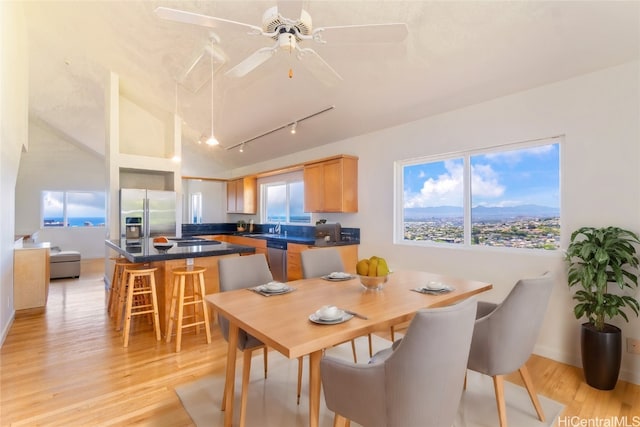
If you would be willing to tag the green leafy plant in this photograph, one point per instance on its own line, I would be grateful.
(596, 258)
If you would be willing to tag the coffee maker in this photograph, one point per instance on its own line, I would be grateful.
(133, 231)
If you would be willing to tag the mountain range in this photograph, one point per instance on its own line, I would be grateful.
(482, 212)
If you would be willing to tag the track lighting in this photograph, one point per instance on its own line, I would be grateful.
(291, 125)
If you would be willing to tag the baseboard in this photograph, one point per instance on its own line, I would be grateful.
(626, 374)
(7, 328)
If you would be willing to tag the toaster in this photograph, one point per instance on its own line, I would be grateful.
(326, 233)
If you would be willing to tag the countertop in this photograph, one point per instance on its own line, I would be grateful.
(183, 248)
(302, 240)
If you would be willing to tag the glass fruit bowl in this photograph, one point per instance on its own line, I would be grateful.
(373, 283)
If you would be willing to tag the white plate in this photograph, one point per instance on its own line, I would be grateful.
(273, 289)
(339, 275)
(315, 319)
(329, 318)
(338, 279)
(435, 286)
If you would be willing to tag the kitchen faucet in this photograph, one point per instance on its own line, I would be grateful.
(277, 229)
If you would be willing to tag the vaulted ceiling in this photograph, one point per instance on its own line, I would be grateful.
(456, 53)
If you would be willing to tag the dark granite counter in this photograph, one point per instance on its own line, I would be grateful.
(304, 235)
(181, 249)
(302, 240)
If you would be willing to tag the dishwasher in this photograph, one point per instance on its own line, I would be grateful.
(277, 254)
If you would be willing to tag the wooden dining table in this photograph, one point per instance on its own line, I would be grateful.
(282, 321)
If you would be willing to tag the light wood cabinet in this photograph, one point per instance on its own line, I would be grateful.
(348, 253)
(242, 195)
(331, 185)
(31, 276)
(294, 262)
(259, 244)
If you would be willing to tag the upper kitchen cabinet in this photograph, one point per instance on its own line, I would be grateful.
(242, 195)
(331, 185)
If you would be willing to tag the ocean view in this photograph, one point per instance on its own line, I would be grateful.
(75, 222)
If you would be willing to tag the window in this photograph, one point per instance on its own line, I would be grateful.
(507, 196)
(283, 202)
(73, 209)
(195, 208)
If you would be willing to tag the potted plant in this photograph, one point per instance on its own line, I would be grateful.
(597, 258)
(242, 225)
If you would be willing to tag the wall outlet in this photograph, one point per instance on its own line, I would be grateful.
(633, 345)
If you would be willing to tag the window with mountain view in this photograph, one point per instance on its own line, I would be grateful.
(508, 196)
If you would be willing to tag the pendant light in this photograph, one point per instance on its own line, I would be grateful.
(212, 139)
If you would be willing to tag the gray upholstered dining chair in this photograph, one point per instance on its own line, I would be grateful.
(418, 383)
(505, 334)
(238, 273)
(320, 262)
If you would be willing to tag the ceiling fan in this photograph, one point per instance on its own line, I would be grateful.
(289, 35)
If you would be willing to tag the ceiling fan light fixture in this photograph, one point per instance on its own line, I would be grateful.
(287, 41)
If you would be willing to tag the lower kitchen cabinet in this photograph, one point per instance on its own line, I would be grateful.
(259, 244)
(31, 276)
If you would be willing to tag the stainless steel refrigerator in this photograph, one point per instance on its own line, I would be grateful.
(156, 210)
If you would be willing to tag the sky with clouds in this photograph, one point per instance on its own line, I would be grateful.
(498, 179)
(79, 204)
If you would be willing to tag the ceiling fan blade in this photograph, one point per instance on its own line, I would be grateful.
(185, 73)
(369, 33)
(253, 61)
(319, 67)
(198, 19)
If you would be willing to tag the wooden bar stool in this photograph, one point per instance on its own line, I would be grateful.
(118, 269)
(118, 294)
(141, 298)
(195, 300)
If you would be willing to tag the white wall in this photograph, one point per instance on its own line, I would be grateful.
(53, 162)
(599, 115)
(214, 199)
(14, 113)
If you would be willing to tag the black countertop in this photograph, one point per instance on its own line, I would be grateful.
(181, 249)
(303, 240)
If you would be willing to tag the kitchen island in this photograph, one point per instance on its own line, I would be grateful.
(184, 252)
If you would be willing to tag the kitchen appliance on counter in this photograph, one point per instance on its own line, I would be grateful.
(328, 233)
(149, 213)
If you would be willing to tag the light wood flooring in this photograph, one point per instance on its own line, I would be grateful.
(65, 366)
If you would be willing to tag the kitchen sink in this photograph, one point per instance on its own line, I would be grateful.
(193, 241)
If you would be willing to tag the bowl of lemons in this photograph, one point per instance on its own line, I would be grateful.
(373, 273)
